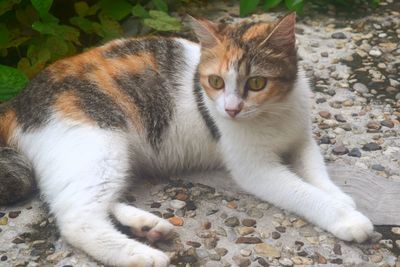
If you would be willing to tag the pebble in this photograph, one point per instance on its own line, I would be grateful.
(286, 262)
(249, 222)
(376, 258)
(248, 240)
(193, 244)
(182, 196)
(377, 167)
(210, 243)
(387, 123)
(373, 126)
(339, 149)
(155, 205)
(398, 244)
(245, 230)
(240, 261)
(232, 221)
(299, 223)
(262, 262)
(386, 243)
(177, 204)
(256, 213)
(360, 88)
(245, 252)
(336, 261)
(371, 147)
(340, 118)
(396, 230)
(275, 235)
(325, 114)
(214, 257)
(14, 214)
(221, 251)
(337, 249)
(297, 260)
(375, 52)
(175, 220)
(232, 205)
(355, 152)
(267, 251)
(324, 54)
(281, 229)
(338, 35)
(3, 220)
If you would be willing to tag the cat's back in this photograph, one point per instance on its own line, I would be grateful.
(114, 85)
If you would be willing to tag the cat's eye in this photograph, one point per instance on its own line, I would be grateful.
(256, 83)
(216, 81)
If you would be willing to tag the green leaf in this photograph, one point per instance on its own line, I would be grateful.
(271, 4)
(248, 6)
(116, 9)
(110, 28)
(295, 5)
(27, 16)
(66, 32)
(43, 7)
(7, 5)
(12, 81)
(38, 54)
(83, 23)
(139, 11)
(81, 8)
(4, 35)
(58, 47)
(161, 21)
(160, 5)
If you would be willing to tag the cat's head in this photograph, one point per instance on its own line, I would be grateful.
(247, 67)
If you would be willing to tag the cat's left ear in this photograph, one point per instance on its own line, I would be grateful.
(283, 34)
(206, 32)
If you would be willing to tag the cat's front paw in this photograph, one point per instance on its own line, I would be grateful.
(151, 226)
(352, 226)
(344, 198)
(149, 257)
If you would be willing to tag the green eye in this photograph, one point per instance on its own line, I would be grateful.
(216, 81)
(256, 83)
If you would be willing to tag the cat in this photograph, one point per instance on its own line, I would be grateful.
(158, 105)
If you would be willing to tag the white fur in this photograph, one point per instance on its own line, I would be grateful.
(82, 168)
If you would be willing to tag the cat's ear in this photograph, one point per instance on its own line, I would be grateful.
(206, 32)
(283, 34)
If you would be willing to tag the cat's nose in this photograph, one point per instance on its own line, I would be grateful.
(232, 112)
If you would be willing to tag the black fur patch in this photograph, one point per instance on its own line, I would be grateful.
(211, 125)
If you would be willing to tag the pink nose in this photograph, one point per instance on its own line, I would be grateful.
(232, 112)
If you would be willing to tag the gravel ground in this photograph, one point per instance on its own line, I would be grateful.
(354, 66)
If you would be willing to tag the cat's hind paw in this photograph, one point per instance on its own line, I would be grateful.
(353, 227)
(149, 258)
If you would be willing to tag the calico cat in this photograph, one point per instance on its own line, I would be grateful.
(154, 106)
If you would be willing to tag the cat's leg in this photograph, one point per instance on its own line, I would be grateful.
(269, 180)
(309, 164)
(81, 170)
(142, 223)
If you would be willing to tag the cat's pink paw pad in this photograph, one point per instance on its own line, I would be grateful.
(151, 227)
(354, 226)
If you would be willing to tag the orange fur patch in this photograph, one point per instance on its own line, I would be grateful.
(8, 125)
(67, 104)
(258, 30)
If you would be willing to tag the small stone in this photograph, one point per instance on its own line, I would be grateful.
(155, 205)
(240, 261)
(376, 258)
(340, 118)
(339, 149)
(210, 243)
(244, 230)
(320, 100)
(337, 261)
(320, 259)
(360, 88)
(168, 215)
(286, 262)
(190, 205)
(398, 244)
(338, 35)
(331, 92)
(248, 240)
(275, 235)
(182, 196)
(388, 243)
(14, 214)
(371, 147)
(324, 54)
(220, 231)
(249, 222)
(193, 244)
(177, 204)
(221, 251)
(337, 249)
(377, 167)
(245, 252)
(387, 123)
(3, 221)
(299, 223)
(2, 214)
(355, 152)
(297, 260)
(214, 257)
(267, 251)
(18, 240)
(232, 205)
(396, 230)
(348, 103)
(256, 213)
(3, 258)
(325, 114)
(206, 225)
(177, 221)
(373, 126)
(262, 262)
(281, 229)
(375, 52)
(232, 221)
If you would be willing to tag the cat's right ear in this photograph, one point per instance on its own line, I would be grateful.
(206, 32)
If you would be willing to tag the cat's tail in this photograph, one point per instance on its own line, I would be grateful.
(16, 173)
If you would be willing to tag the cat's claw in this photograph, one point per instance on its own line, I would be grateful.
(149, 258)
(354, 226)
